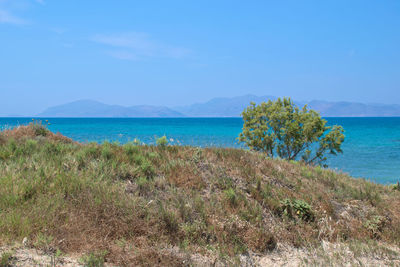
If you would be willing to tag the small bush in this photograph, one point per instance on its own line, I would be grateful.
(375, 225)
(106, 151)
(231, 196)
(147, 169)
(162, 141)
(297, 208)
(131, 149)
(396, 186)
(39, 128)
(5, 259)
(43, 241)
(94, 259)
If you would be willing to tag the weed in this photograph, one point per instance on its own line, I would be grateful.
(5, 259)
(94, 259)
(162, 141)
(39, 128)
(131, 149)
(43, 241)
(375, 225)
(396, 186)
(106, 151)
(297, 208)
(143, 185)
(169, 218)
(231, 196)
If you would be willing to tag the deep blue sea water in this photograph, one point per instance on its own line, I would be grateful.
(371, 148)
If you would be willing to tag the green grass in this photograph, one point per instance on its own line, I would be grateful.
(88, 197)
(5, 259)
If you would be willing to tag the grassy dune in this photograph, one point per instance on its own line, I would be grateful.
(166, 205)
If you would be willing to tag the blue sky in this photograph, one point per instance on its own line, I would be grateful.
(180, 52)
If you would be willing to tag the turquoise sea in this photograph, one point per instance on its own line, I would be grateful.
(371, 149)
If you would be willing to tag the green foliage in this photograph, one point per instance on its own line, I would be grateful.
(231, 196)
(280, 128)
(297, 208)
(375, 225)
(106, 151)
(396, 186)
(5, 259)
(94, 259)
(162, 141)
(39, 128)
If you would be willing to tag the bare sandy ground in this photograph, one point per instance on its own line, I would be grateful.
(328, 254)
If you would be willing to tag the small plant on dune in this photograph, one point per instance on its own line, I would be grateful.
(375, 225)
(39, 128)
(162, 141)
(231, 196)
(94, 259)
(396, 186)
(131, 149)
(169, 218)
(106, 151)
(297, 208)
(5, 259)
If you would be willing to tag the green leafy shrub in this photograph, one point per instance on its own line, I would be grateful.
(396, 186)
(375, 225)
(162, 141)
(280, 128)
(297, 208)
(131, 149)
(147, 169)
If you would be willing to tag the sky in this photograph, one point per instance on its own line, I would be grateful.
(174, 53)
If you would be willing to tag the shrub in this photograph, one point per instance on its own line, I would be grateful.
(147, 169)
(94, 259)
(375, 225)
(396, 186)
(297, 208)
(106, 151)
(280, 128)
(231, 196)
(5, 259)
(162, 141)
(39, 128)
(131, 149)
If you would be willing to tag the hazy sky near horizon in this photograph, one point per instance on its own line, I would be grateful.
(181, 52)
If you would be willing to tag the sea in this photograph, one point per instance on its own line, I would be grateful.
(371, 149)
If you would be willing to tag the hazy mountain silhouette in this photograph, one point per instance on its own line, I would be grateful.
(216, 107)
(90, 108)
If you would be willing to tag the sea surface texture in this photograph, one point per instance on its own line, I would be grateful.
(371, 148)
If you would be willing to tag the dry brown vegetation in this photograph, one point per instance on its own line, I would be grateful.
(156, 205)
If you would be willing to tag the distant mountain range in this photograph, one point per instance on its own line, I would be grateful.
(217, 107)
(90, 108)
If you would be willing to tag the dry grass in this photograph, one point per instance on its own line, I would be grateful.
(137, 202)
